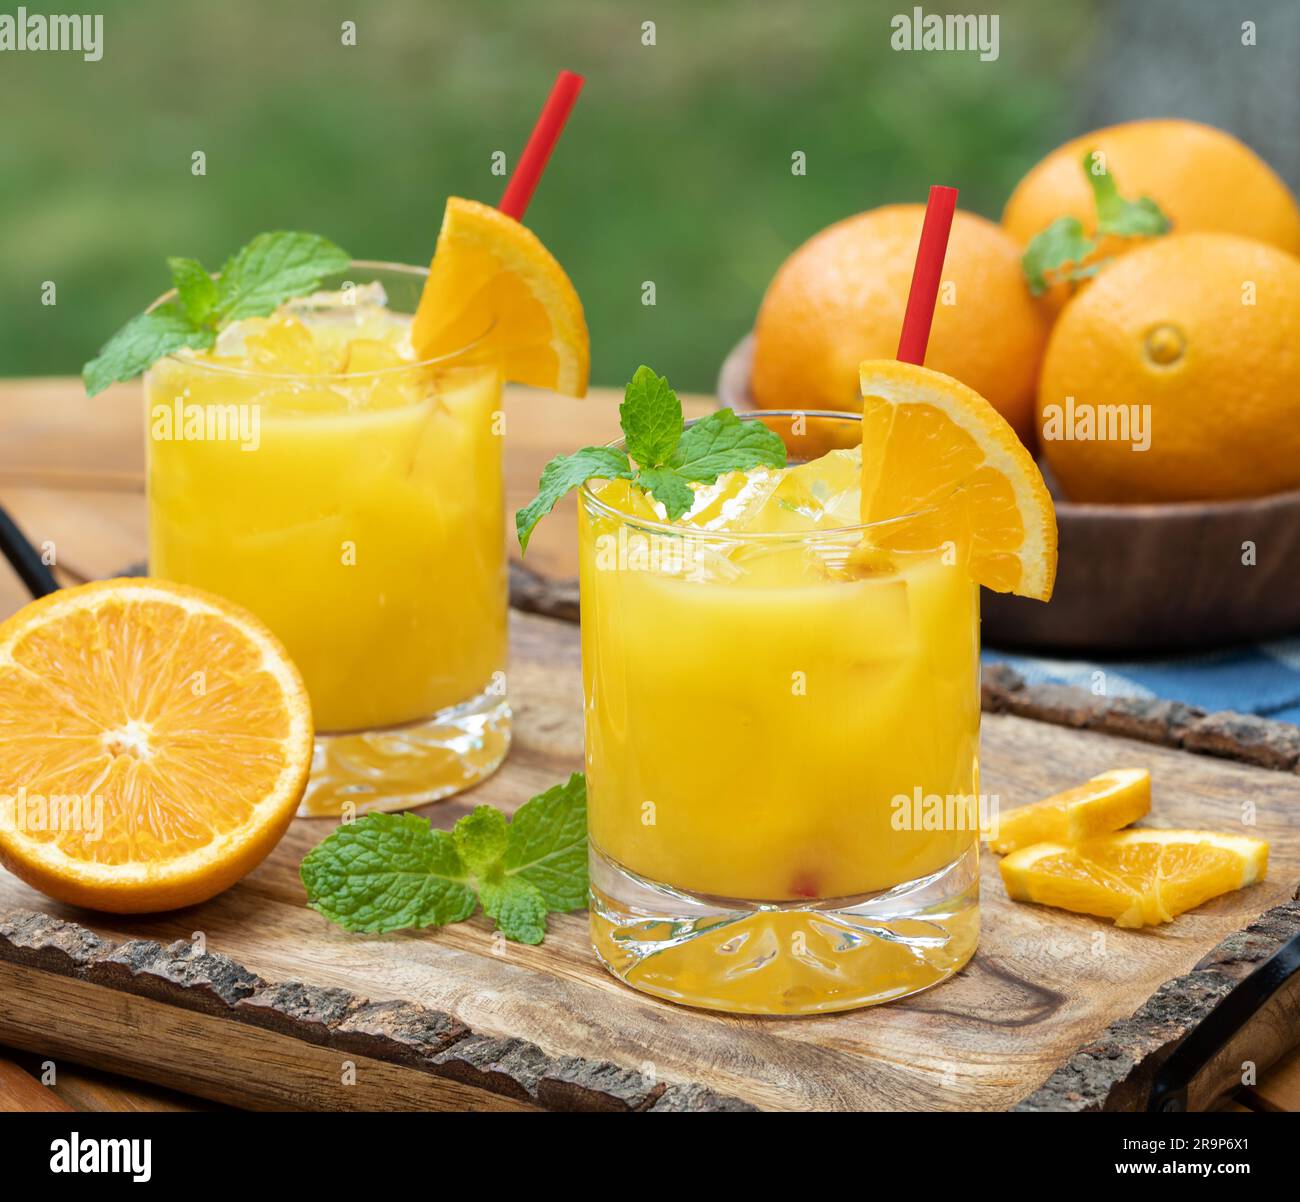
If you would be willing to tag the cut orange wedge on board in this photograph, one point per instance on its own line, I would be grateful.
(1108, 802)
(1139, 877)
(493, 283)
(154, 744)
(940, 459)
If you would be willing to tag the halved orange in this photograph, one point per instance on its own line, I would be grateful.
(1138, 877)
(938, 457)
(1105, 803)
(154, 744)
(490, 273)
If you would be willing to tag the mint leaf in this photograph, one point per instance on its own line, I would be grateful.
(265, 273)
(195, 288)
(565, 473)
(140, 343)
(669, 455)
(709, 447)
(385, 872)
(517, 907)
(271, 269)
(722, 443)
(668, 488)
(547, 844)
(651, 417)
(480, 839)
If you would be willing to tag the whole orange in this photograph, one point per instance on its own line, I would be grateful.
(839, 299)
(1202, 178)
(1190, 343)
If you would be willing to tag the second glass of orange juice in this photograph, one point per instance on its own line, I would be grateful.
(314, 469)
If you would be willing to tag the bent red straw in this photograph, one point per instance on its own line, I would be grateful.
(925, 275)
(555, 112)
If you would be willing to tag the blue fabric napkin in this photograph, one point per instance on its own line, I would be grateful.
(1262, 679)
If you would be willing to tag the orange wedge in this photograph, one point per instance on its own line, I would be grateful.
(938, 457)
(154, 744)
(1105, 803)
(1138, 877)
(493, 282)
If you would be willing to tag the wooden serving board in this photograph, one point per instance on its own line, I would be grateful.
(270, 1005)
(275, 1010)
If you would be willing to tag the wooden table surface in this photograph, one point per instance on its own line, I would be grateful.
(72, 476)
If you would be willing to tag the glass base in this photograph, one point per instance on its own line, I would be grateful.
(404, 766)
(799, 957)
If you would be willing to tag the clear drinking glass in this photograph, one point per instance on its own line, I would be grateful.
(782, 755)
(354, 502)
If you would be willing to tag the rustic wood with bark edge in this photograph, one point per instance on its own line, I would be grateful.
(1036, 991)
(1015, 975)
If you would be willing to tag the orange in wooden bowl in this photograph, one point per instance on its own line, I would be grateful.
(154, 743)
(1175, 376)
(1202, 179)
(839, 299)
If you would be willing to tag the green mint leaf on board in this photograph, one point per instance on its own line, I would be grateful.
(480, 839)
(547, 844)
(271, 269)
(517, 907)
(651, 417)
(386, 872)
(196, 290)
(144, 340)
(565, 473)
(668, 488)
(722, 443)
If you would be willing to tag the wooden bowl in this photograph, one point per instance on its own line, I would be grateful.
(1141, 578)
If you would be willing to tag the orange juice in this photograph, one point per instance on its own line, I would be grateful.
(782, 742)
(310, 470)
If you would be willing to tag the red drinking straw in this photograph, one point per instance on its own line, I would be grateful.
(925, 275)
(559, 104)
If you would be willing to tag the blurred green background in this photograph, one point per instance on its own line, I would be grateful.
(676, 167)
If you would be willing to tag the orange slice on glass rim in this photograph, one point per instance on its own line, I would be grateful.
(154, 743)
(493, 283)
(941, 460)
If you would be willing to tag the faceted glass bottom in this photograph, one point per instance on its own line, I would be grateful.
(404, 766)
(784, 958)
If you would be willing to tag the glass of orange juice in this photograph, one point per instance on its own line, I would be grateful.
(314, 469)
(782, 729)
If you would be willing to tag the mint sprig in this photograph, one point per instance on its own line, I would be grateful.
(270, 270)
(387, 872)
(662, 455)
(1060, 251)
